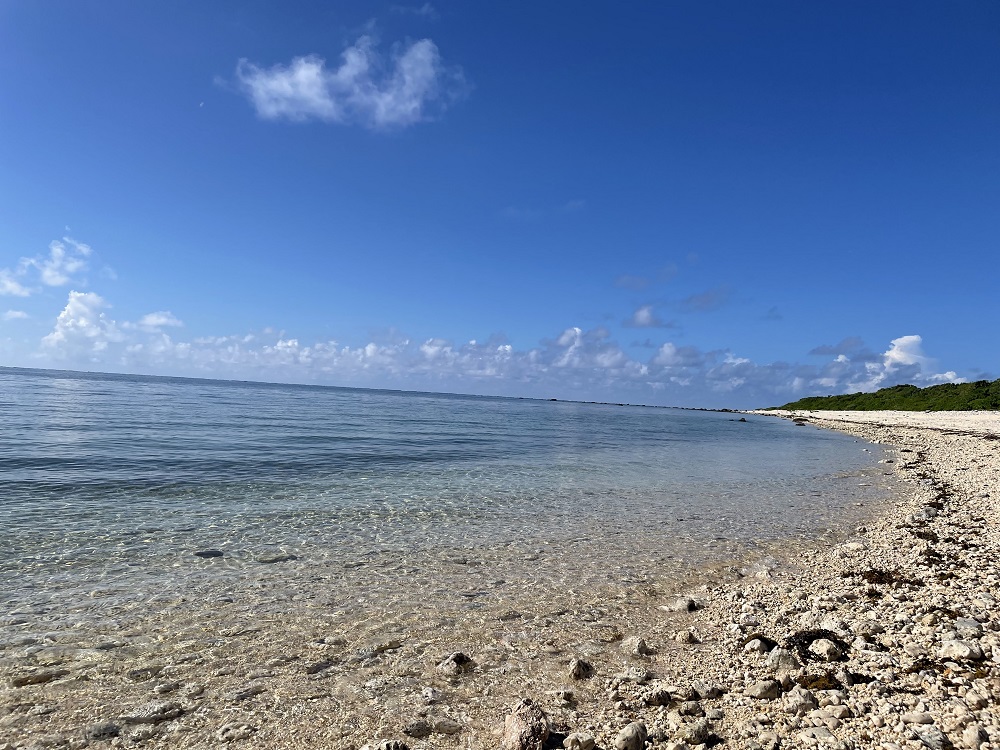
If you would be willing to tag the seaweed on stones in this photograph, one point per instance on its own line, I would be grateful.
(802, 640)
(825, 681)
(885, 577)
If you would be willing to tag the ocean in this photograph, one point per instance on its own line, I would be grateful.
(123, 489)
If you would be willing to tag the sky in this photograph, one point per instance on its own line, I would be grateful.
(718, 204)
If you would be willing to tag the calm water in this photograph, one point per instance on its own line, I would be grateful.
(109, 483)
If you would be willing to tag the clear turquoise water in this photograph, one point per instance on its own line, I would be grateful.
(110, 483)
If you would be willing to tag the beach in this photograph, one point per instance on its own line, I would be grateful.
(885, 635)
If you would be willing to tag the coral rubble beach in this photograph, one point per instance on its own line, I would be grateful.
(888, 638)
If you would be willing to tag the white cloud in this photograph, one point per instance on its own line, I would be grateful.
(15, 315)
(66, 258)
(645, 317)
(11, 286)
(367, 89)
(159, 320)
(82, 326)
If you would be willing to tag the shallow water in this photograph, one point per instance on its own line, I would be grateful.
(381, 500)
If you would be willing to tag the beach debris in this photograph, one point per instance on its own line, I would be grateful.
(206, 553)
(632, 737)
(154, 713)
(526, 727)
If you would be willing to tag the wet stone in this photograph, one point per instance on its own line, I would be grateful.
(207, 553)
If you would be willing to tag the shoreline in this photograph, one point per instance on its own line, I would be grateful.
(908, 599)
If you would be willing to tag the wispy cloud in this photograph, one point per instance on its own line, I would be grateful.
(707, 301)
(411, 85)
(426, 10)
(63, 264)
(15, 315)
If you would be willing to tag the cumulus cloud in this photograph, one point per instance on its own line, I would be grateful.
(82, 326)
(410, 86)
(575, 363)
(646, 317)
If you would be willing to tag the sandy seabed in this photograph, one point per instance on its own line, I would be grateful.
(885, 636)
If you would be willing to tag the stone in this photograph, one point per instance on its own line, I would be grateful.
(154, 713)
(821, 735)
(526, 728)
(38, 678)
(968, 628)
(580, 669)
(103, 731)
(932, 737)
(782, 660)
(275, 558)
(973, 736)
(430, 695)
(419, 729)
(636, 646)
(917, 717)
(764, 690)
(206, 553)
(455, 664)
(706, 690)
(681, 604)
(235, 731)
(696, 733)
(960, 650)
(579, 741)
(632, 737)
(826, 649)
(799, 701)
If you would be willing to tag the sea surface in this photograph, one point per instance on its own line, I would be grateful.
(109, 485)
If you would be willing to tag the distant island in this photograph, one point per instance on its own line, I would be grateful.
(982, 394)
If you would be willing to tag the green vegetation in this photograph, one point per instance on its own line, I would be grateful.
(947, 397)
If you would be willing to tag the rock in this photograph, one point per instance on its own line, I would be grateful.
(526, 728)
(209, 553)
(632, 737)
(430, 695)
(705, 690)
(154, 713)
(446, 726)
(933, 738)
(826, 649)
(250, 691)
(580, 669)
(144, 673)
(768, 741)
(638, 675)
(685, 636)
(960, 650)
(419, 729)
(390, 745)
(636, 646)
(103, 731)
(455, 664)
(579, 741)
(764, 690)
(799, 701)
(973, 736)
(234, 731)
(821, 735)
(681, 604)
(696, 733)
(782, 660)
(968, 628)
(276, 558)
(917, 717)
(659, 697)
(38, 678)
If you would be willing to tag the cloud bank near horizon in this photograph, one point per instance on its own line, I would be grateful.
(576, 363)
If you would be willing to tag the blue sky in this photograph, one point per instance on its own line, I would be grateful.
(700, 204)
